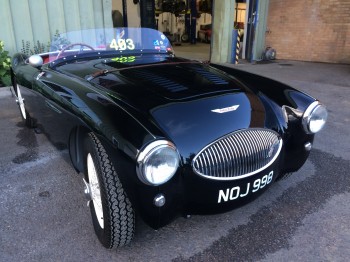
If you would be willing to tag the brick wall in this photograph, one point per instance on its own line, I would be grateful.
(310, 30)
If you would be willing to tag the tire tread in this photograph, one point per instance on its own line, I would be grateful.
(121, 215)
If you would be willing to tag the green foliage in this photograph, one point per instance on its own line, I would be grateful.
(5, 65)
(57, 42)
(5, 61)
(37, 49)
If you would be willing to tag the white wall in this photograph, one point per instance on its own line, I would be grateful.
(38, 20)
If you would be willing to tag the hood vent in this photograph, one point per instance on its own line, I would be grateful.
(209, 76)
(159, 80)
(179, 81)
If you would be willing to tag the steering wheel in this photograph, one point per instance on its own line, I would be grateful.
(71, 45)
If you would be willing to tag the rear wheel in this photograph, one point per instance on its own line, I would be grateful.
(112, 213)
(20, 101)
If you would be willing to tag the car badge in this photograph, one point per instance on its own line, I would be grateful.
(225, 109)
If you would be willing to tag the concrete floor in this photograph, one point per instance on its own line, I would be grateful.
(302, 218)
(199, 51)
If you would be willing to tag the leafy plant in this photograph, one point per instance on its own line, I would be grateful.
(37, 48)
(56, 44)
(58, 41)
(5, 64)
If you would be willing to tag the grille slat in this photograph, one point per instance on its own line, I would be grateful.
(235, 157)
(221, 160)
(225, 157)
(229, 153)
(239, 154)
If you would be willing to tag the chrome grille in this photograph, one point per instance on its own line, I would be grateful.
(239, 154)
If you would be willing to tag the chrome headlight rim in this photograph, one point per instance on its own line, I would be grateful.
(146, 153)
(307, 116)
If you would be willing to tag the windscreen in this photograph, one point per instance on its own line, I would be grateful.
(113, 40)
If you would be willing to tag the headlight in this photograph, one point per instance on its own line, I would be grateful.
(157, 163)
(314, 118)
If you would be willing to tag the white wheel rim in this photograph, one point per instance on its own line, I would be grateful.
(21, 103)
(95, 190)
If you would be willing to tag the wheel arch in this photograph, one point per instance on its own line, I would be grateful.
(13, 81)
(12, 74)
(76, 146)
(278, 92)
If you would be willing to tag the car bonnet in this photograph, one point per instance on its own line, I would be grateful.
(194, 124)
(192, 103)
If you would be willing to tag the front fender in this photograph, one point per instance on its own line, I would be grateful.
(289, 105)
(280, 93)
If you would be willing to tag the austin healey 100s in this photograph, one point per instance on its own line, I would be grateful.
(159, 135)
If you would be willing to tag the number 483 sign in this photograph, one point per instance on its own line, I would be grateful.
(122, 44)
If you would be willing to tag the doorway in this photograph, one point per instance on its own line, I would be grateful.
(251, 19)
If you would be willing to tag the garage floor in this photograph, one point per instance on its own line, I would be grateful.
(304, 217)
(198, 51)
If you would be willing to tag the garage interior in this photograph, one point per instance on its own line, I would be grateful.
(297, 30)
(187, 23)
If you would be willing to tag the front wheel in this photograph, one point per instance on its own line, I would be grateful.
(112, 213)
(29, 122)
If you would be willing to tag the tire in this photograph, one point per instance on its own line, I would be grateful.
(112, 214)
(28, 121)
(185, 38)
